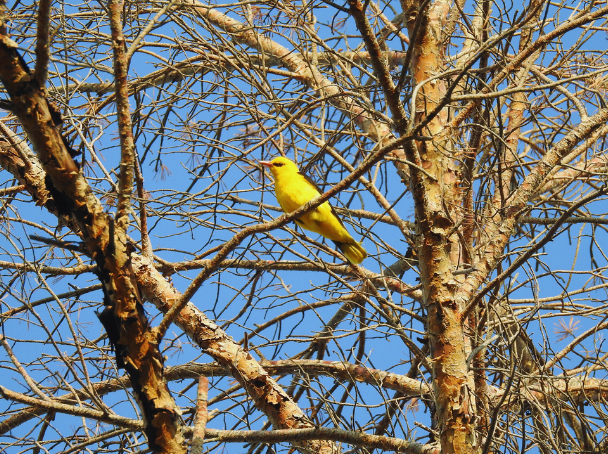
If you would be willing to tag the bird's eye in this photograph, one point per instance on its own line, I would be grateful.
(279, 164)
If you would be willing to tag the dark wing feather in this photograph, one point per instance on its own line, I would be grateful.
(311, 181)
(314, 185)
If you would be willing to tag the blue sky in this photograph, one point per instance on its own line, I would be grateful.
(172, 142)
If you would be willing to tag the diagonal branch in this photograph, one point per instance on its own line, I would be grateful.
(266, 394)
(500, 232)
(379, 131)
(136, 350)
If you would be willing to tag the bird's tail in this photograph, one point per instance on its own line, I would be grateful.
(354, 252)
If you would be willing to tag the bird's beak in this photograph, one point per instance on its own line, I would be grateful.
(266, 163)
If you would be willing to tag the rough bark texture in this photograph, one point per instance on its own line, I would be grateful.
(495, 121)
(281, 410)
(124, 319)
(437, 196)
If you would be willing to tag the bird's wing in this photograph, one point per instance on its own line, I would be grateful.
(314, 185)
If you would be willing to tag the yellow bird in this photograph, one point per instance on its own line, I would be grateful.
(293, 189)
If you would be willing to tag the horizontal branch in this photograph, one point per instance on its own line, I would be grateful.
(275, 436)
(54, 405)
(50, 270)
(28, 306)
(345, 371)
(354, 373)
(572, 220)
(322, 433)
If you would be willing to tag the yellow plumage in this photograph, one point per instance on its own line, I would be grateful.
(293, 189)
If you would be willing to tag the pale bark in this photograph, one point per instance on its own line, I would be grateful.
(463, 144)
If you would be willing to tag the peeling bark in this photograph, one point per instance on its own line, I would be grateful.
(268, 396)
(135, 343)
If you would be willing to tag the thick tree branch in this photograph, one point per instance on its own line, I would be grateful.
(136, 350)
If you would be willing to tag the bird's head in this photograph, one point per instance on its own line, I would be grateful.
(280, 166)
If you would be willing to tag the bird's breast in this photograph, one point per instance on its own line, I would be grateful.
(294, 192)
